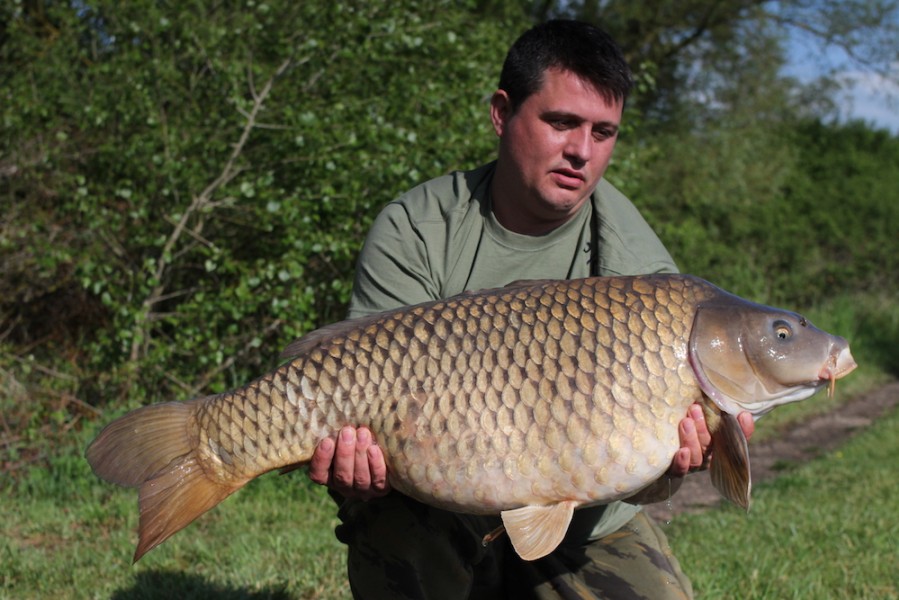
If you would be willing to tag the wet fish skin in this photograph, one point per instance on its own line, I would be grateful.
(530, 401)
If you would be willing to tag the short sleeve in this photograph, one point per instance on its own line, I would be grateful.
(393, 268)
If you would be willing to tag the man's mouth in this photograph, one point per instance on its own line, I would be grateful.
(568, 177)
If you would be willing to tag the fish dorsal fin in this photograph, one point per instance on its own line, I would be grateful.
(536, 531)
(520, 283)
(730, 462)
(323, 334)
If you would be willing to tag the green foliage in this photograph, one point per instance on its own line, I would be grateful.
(792, 215)
(186, 187)
(847, 191)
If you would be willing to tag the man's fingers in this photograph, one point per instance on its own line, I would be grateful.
(695, 439)
(689, 440)
(320, 465)
(343, 467)
(702, 429)
(680, 465)
(353, 465)
(747, 424)
(378, 469)
(361, 471)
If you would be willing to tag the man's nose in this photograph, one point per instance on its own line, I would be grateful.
(579, 144)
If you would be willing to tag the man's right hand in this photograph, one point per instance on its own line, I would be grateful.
(353, 467)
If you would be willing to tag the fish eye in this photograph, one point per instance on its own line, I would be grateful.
(782, 330)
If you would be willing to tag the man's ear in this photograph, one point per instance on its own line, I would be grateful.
(500, 111)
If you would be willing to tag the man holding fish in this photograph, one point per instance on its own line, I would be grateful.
(519, 426)
(542, 210)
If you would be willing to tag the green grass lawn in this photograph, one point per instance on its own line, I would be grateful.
(829, 529)
(65, 535)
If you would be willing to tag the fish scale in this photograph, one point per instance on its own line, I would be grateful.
(532, 403)
(542, 396)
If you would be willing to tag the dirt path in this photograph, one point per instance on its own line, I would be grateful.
(803, 442)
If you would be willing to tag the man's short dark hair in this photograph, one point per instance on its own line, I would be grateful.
(575, 46)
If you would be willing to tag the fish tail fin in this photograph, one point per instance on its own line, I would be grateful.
(154, 449)
(170, 501)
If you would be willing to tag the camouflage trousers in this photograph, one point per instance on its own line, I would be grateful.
(399, 548)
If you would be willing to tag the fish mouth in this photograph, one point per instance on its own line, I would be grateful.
(838, 365)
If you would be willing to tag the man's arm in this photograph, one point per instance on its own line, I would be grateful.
(393, 269)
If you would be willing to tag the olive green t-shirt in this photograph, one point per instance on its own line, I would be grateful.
(441, 239)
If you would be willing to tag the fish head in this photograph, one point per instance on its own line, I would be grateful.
(751, 357)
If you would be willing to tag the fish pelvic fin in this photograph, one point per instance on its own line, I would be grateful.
(535, 531)
(154, 449)
(729, 470)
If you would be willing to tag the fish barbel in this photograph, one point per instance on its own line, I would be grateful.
(527, 401)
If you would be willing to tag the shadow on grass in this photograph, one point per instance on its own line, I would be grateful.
(164, 585)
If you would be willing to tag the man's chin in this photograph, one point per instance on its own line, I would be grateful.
(565, 202)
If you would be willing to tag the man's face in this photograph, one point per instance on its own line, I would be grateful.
(553, 151)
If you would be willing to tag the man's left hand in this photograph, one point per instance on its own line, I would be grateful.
(695, 439)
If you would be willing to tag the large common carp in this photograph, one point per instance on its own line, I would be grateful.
(528, 401)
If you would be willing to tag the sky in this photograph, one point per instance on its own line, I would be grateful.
(865, 96)
(872, 98)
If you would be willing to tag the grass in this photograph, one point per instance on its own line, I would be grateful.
(824, 530)
(65, 535)
(829, 529)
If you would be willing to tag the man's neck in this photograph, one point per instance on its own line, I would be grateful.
(512, 216)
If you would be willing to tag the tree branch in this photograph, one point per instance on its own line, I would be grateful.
(198, 203)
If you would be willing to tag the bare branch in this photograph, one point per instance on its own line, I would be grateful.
(198, 203)
(227, 363)
(196, 235)
(251, 82)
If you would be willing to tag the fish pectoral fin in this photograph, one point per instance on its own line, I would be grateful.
(535, 531)
(291, 468)
(730, 462)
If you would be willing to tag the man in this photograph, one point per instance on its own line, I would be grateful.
(541, 210)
